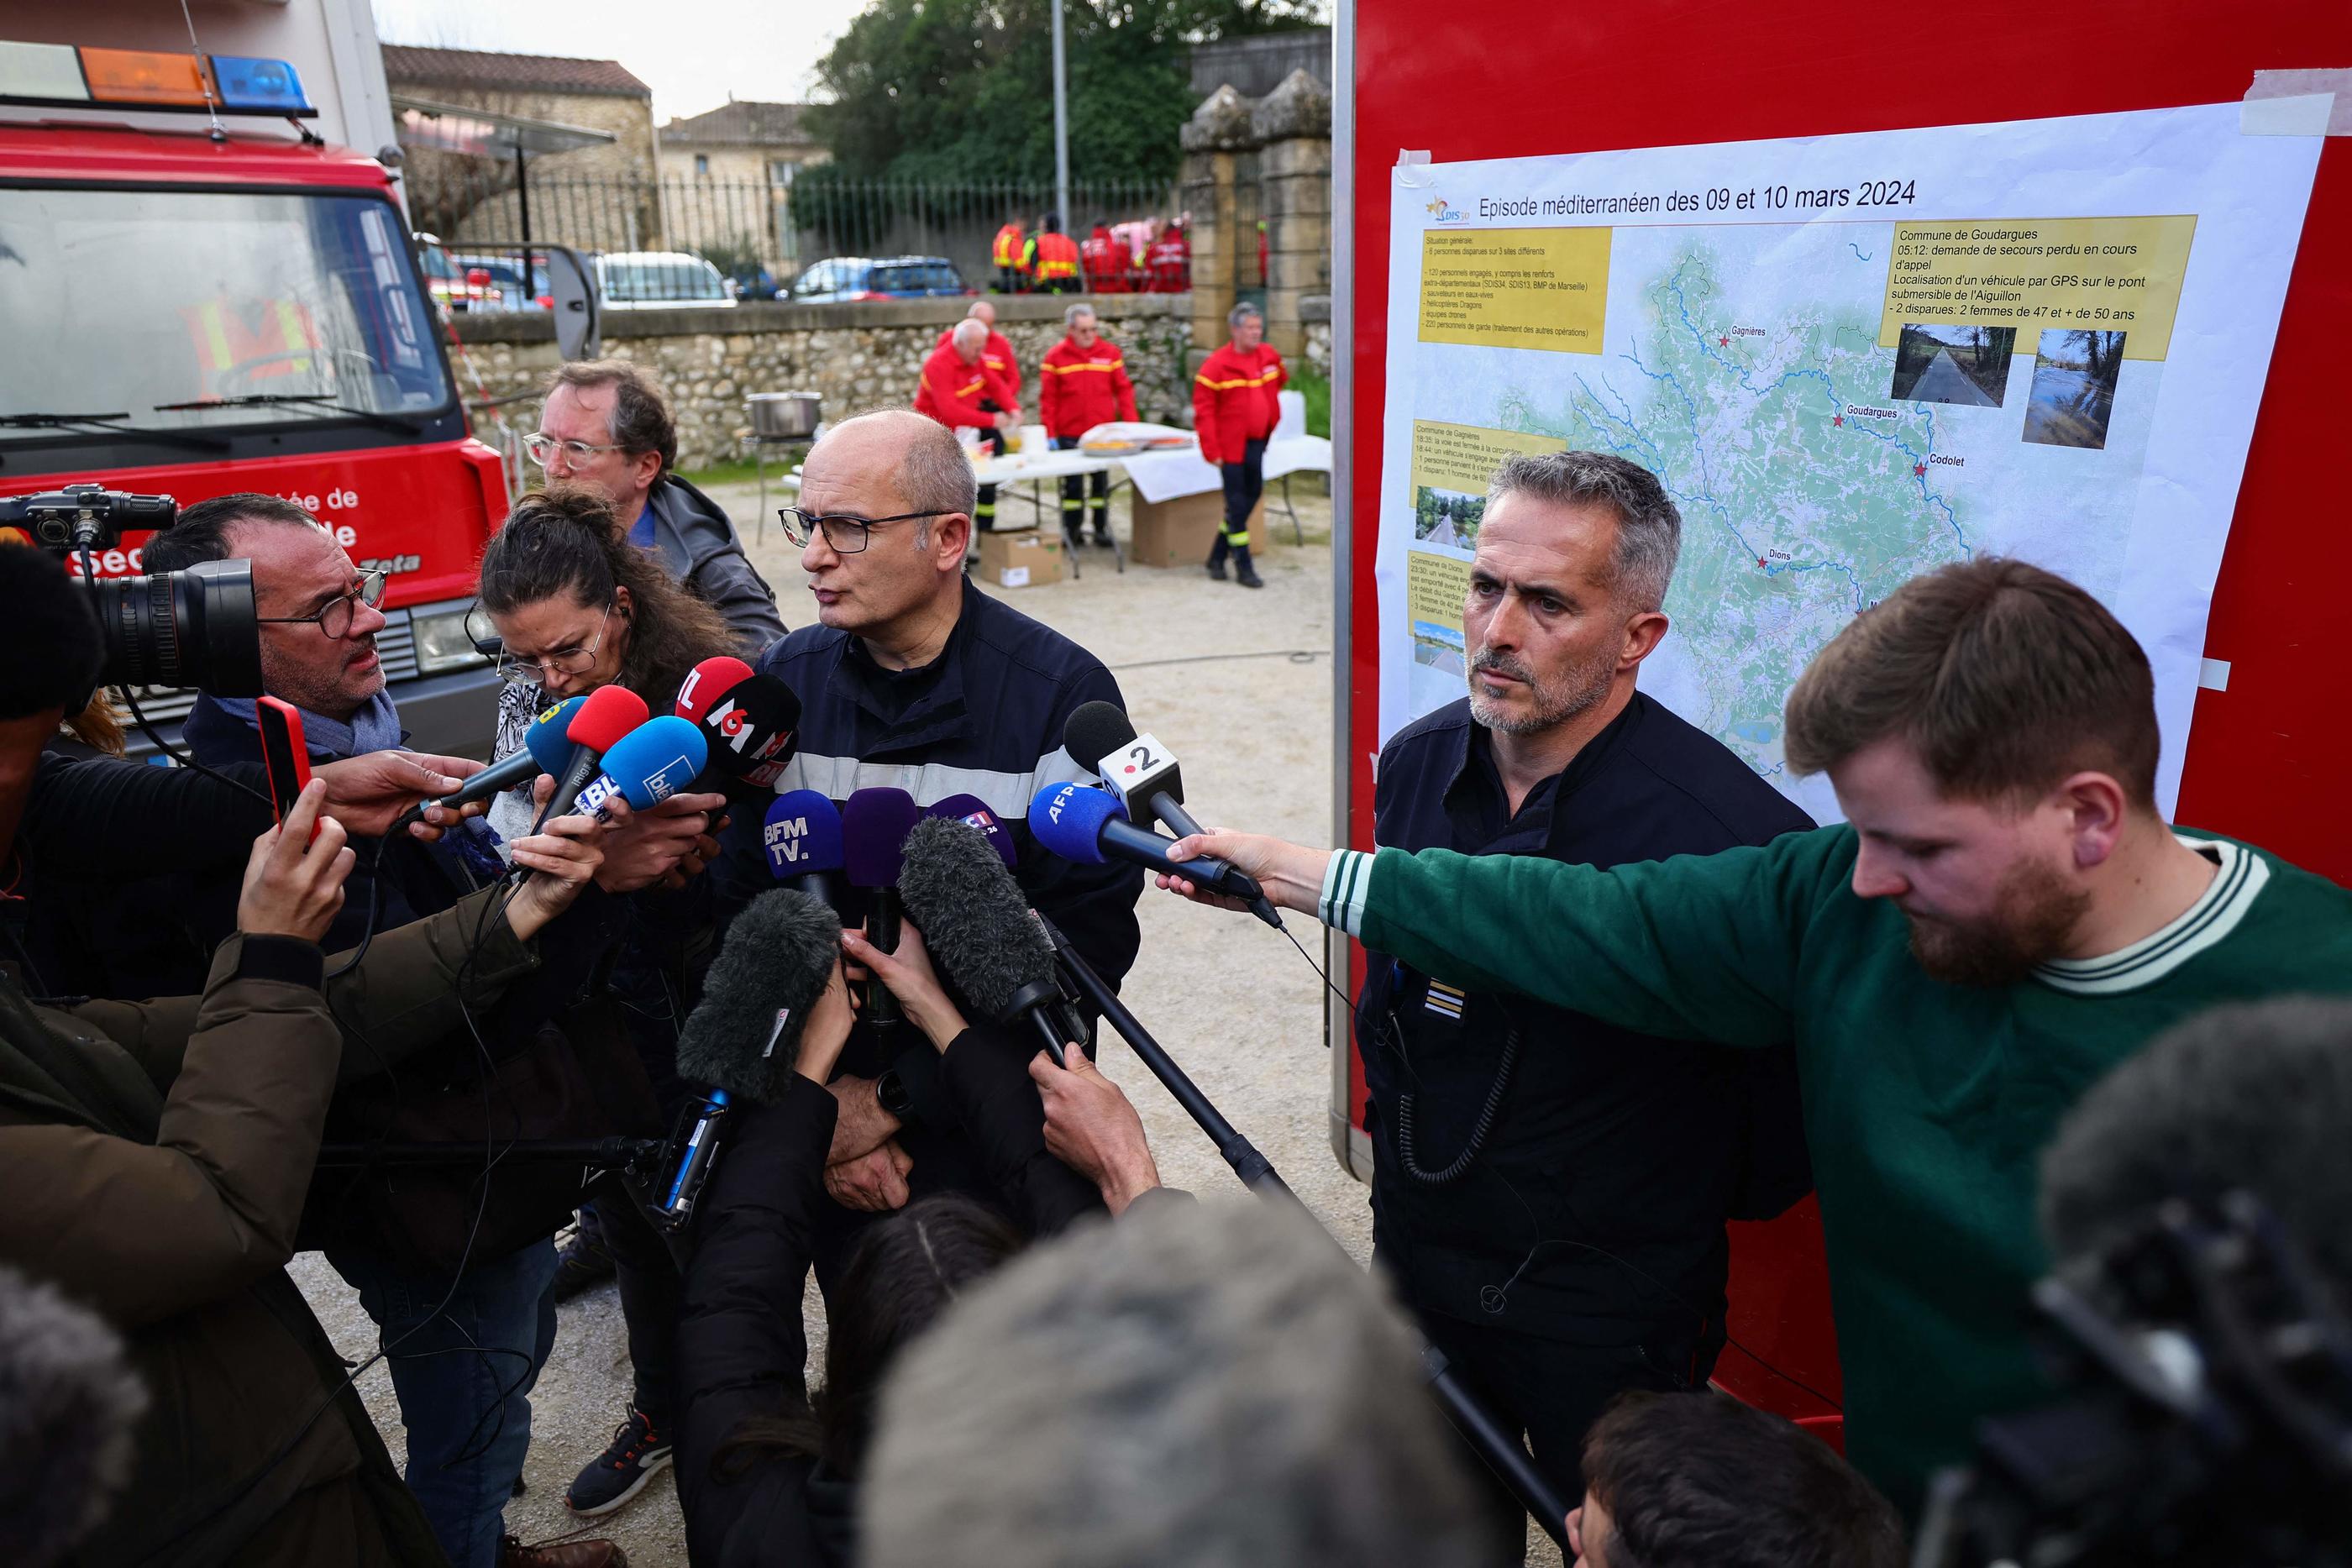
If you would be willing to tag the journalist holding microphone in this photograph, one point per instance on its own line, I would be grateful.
(158, 1154)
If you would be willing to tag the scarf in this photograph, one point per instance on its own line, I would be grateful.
(375, 727)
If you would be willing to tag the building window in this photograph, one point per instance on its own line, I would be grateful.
(781, 170)
(702, 165)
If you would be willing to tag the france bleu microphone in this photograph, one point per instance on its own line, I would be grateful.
(1141, 772)
(874, 827)
(978, 928)
(647, 766)
(744, 1038)
(801, 839)
(746, 717)
(610, 713)
(1089, 826)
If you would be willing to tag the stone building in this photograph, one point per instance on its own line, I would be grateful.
(727, 179)
(601, 197)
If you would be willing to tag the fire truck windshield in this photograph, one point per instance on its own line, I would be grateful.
(241, 307)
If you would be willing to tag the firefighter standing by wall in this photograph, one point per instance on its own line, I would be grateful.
(958, 390)
(997, 355)
(1170, 261)
(1236, 401)
(1082, 383)
(1010, 255)
(1054, 258)
(1106, 261)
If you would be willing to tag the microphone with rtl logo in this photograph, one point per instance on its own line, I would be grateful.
(747, 720)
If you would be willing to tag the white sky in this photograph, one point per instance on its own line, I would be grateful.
(694, 54)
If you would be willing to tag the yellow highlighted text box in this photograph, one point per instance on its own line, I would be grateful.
(1515, 288)
(1435, 589)
(1464, 457)
(2037, 275)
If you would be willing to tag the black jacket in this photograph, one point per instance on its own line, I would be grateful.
(740, 1345)
(984, 719)
(1598, 1203)
(700, 548)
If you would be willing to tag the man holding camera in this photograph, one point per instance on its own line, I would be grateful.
(158, 1154)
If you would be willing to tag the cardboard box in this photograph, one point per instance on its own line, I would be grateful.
(1179, 532)
(1029, 558)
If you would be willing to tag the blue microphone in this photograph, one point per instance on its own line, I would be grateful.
(1089, 826)
(648, 765)
(801, 836)
(974, 812)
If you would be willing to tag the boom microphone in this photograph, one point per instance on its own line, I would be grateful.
(746, 718)
(874, 827)
(608, 714)
(1141, 772)
(801, 836)
(975, 812)
(744, 1038)
(69, 1403)
(979, 929)
(1089, 826)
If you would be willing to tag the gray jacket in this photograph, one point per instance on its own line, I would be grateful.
(700, 548)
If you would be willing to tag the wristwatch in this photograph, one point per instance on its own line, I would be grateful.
(890, 1092)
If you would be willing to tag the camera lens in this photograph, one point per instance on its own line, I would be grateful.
(192, 628)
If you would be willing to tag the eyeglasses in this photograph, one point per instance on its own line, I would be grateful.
(334, 617)
(543, 447)
(516, 671)
(842, 535)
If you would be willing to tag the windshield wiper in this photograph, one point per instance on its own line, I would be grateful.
(109, 423)
(383, 420)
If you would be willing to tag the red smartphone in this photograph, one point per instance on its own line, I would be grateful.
(283, 755)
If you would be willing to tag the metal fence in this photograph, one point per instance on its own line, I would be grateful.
(760, 236)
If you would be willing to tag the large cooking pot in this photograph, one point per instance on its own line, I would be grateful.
(784, 416)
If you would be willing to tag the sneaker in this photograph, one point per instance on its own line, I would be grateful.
(1247, 576)
(513, 1553)
(636, 1453)
(1216, 571)
(583, 1264)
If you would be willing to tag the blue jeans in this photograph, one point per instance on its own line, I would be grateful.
(452, 1375)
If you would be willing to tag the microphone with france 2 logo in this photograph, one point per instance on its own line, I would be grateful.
(1144, 775)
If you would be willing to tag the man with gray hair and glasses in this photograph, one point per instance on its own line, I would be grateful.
(915, 679)
(1550, 1193)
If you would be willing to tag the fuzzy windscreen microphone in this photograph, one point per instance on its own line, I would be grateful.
(69, 1405)
(770, 972)
(977, 925)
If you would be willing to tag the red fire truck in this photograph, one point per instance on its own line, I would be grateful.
(199, 296)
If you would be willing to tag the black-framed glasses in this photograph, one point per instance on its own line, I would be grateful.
(843, 534)
(516, 670)
(334, 617)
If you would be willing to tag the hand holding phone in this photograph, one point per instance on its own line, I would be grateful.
(285, 756)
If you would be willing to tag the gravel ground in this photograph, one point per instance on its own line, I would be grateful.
(1237, 684)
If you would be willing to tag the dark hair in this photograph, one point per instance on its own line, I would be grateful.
(641, 419)
(564, 539)
(2005, 676)
(54, 651)
(903, 1275)
(201, 532)
(1703, 1478)
(1648, 528)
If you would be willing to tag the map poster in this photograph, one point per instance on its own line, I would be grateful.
(1850, 360)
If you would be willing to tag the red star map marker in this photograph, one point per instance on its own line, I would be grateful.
(1723, 342)
(1759, 560)
(1837, 419)
(1919, 470)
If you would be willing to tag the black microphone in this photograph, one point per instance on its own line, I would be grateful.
(979, 929)
(874, 824)
(744, 1038)
(1088, 825)
(1142, 773)
(748, 719)
(69, 1404)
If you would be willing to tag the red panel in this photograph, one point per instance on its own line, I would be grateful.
(1502, 78)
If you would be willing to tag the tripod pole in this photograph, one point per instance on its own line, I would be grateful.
(1503, 1453)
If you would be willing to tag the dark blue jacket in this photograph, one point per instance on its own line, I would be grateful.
(1598, 1203)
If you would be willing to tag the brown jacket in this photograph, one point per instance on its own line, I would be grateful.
(156, 1155)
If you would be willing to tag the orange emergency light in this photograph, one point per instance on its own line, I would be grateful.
(143, 77)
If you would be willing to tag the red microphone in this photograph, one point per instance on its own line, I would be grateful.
(706, 682)
(610, 713)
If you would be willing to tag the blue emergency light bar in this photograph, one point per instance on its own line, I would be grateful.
(253, 86)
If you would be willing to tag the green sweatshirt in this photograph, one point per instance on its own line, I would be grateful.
(1926, 1104)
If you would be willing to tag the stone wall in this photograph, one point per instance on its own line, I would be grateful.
(857, 356)
(1315, 311)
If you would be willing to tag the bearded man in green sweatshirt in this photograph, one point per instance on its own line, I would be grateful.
(2000, 919)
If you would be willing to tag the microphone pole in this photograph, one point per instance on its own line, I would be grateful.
(1502, 1452)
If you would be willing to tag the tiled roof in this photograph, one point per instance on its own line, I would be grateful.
(485, 70)
(741, 125)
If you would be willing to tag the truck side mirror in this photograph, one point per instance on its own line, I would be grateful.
(571, 288)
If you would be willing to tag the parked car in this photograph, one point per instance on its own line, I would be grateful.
(661, 280)
(843, 277)
(506, 281)
(452, 283)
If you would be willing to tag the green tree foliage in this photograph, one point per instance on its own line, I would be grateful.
(958, 90)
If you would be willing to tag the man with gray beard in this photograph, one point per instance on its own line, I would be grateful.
(1549, 1192)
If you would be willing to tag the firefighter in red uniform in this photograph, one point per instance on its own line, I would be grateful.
(1170, 261)
(958, 390)
(1010, 256)
(1083, 383)
(1054, 259)
(996, 355)
(1236, 400)
(1106, 261)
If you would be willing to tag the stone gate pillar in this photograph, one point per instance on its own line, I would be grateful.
(1292, 125)
(1219, 129)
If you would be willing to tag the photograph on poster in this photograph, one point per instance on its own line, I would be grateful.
(2074, 392)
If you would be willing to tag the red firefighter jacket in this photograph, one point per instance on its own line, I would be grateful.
(953, 389)
(1235, 400)
(1081, 388)
(1057, 257)
(997, 355)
